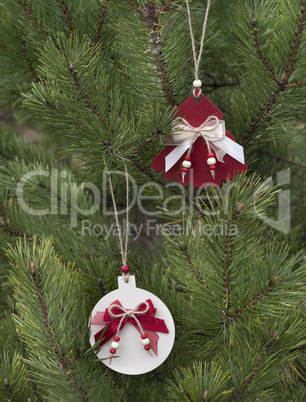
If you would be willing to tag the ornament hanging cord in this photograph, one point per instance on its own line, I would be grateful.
(197, 82)
(123, 249)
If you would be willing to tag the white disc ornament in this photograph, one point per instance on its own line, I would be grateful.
(132, 328)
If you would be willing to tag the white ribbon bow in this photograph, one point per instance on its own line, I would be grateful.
(212, 131)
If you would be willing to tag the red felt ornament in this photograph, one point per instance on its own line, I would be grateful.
(206, 145)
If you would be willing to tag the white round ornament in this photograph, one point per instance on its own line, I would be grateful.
(132, 358)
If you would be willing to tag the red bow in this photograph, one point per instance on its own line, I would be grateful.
(147, 321)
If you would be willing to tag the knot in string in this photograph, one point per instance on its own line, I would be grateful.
(138, 310)
(203, 131)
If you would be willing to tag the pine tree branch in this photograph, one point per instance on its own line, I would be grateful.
(166, 6)
(215, 84)
(139, 166)
(7, 390)
(296, 43)
(70, 64)
(281, 159)
(221, 84)
(100, 23)
(3, 215)
(67, 16)
(295, 84)
(7, 307)
(192, 268)
(150, 14)
(120, 386)
(14, 232)
(228, 257)
(12, 56)
(31, 16)
(44, 187)
(146, 171)
(301, 371)
(29, 368)
(152, 23)
(64, 363)
(197, 275)
(61, 113)
(5, 156)
(259, 51)
(262, 295)
(54, 108)
(121, 69)
(6, 228)
(254, 371)
(84, 94)
(282, 84)
(261, 116)
(148, 141)
(134, 5)
(101, 287)
(35, 77)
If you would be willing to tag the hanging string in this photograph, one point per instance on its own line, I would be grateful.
(197, 83)
(125, 269)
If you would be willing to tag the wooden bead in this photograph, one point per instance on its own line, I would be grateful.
(197, 83)
(187, 164)
(211, 161)
(185, 169)
(115, 345)
(148, 347)
(146, 341)
(187, 158)
(113, 351)
(213, 167)
(125, 269)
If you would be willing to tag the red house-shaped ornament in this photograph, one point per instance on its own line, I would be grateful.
(199, 175)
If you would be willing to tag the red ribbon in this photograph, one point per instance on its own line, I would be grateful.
(148, 322)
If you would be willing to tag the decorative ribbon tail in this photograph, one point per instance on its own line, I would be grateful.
(175, 155)
(153, 336)
(228, 147)
(99, 319)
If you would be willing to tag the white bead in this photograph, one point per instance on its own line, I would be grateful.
(187, 164)
(115, 345)
(211, 161)
(146, 341)
(197, 83)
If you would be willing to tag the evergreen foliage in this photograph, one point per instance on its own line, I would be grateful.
(99, 81)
